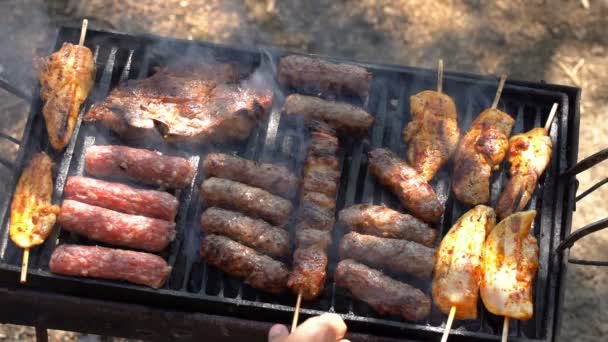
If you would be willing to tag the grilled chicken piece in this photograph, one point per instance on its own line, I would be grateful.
(459, 263)
(66, 78)
(432, 135)
(481, 151)
(529, 154)
(509, 266)
(32, 213)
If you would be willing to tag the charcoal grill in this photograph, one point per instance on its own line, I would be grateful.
(199, 301)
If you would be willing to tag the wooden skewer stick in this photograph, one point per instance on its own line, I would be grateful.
(501, 84)
(448, 324)
(26, 256)
(505, 330)
(83, 31)
(296, 313)
(440, 76)
(551, 117)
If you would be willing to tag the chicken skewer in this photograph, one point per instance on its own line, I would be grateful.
(529, 155)
(432, 135)
(457, 272)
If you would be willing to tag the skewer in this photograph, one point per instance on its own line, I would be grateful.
(440, 76)
(296, 313)
(501, 84)
(83, 31)
(551, 117)
(26, 256)
(505, 330)
(448, 324)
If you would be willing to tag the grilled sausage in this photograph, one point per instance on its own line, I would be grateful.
(415, 194)
(251, 232)
(388, 223)
(345, 118)
(384, 294)
(317, 211)
(121, 197)
(316, 75)
(259, 270)
(144, 166)
(108, 263)
(309, 272)
(116, 228)
(313, 237)
(255, 202)
(272, 178)
(396, 255)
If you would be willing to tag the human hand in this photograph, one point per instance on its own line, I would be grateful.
(325, 328)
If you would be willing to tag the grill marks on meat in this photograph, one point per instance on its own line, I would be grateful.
(345, 118)
(107, 263)
(253, 233)
(144, 166)
(432, 135)
(384, 294)
(193, 105)
(121, 197)
(415, 194)
(254, 202)
(260, 271)
(116, 228)
(66, 78)
(316, 75)
(272, 178)
(481, 151)
(388, 223)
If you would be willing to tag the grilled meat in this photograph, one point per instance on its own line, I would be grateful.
(432, 135)
(396, 255)
(388, 223)
(309, 271)
(315, 75)
(529, 155)
(317, 211)
(384, 294)
(66, 78)
(458, 269)
(313, 237)
(346, 119)
(415, 194)
(259, 270)
(255, 202)
(509, 267)
(272, 178)
(481, 151)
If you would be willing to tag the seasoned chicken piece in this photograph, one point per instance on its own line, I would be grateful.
(509, 266)
(529, 154)
(459, 263)
(481, 151)
(66, 78)
(432, 135)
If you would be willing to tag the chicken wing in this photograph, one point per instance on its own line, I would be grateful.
(432, 135)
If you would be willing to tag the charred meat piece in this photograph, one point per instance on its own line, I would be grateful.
(317, 211)
(529, 155)
(253, 233)
(313, 237)
(481, 151)
(315, 75)
(415, 194)
(345, 118)
(458, 269)
(388, 223)
(309, 272)
(143, 166)
(255, 202)
(116, 228)
(66, 78)
(384, 294)
(108, 263)
(396, 255)
(432, 135)
(121, 197)
(259, 270)
(272, 178)
(321, 172)
(196, 106)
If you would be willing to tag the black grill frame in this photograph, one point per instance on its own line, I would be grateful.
(121, 56)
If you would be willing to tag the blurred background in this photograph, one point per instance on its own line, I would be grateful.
(557, 41)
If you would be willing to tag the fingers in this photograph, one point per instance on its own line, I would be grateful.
(324, 328)
(278, 333)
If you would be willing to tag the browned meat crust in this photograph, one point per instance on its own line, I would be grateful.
(259, 270)
(415, 194)
(384, 294)
(309, 272)
(313, 237)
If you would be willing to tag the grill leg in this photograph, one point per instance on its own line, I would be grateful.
(41, 335)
